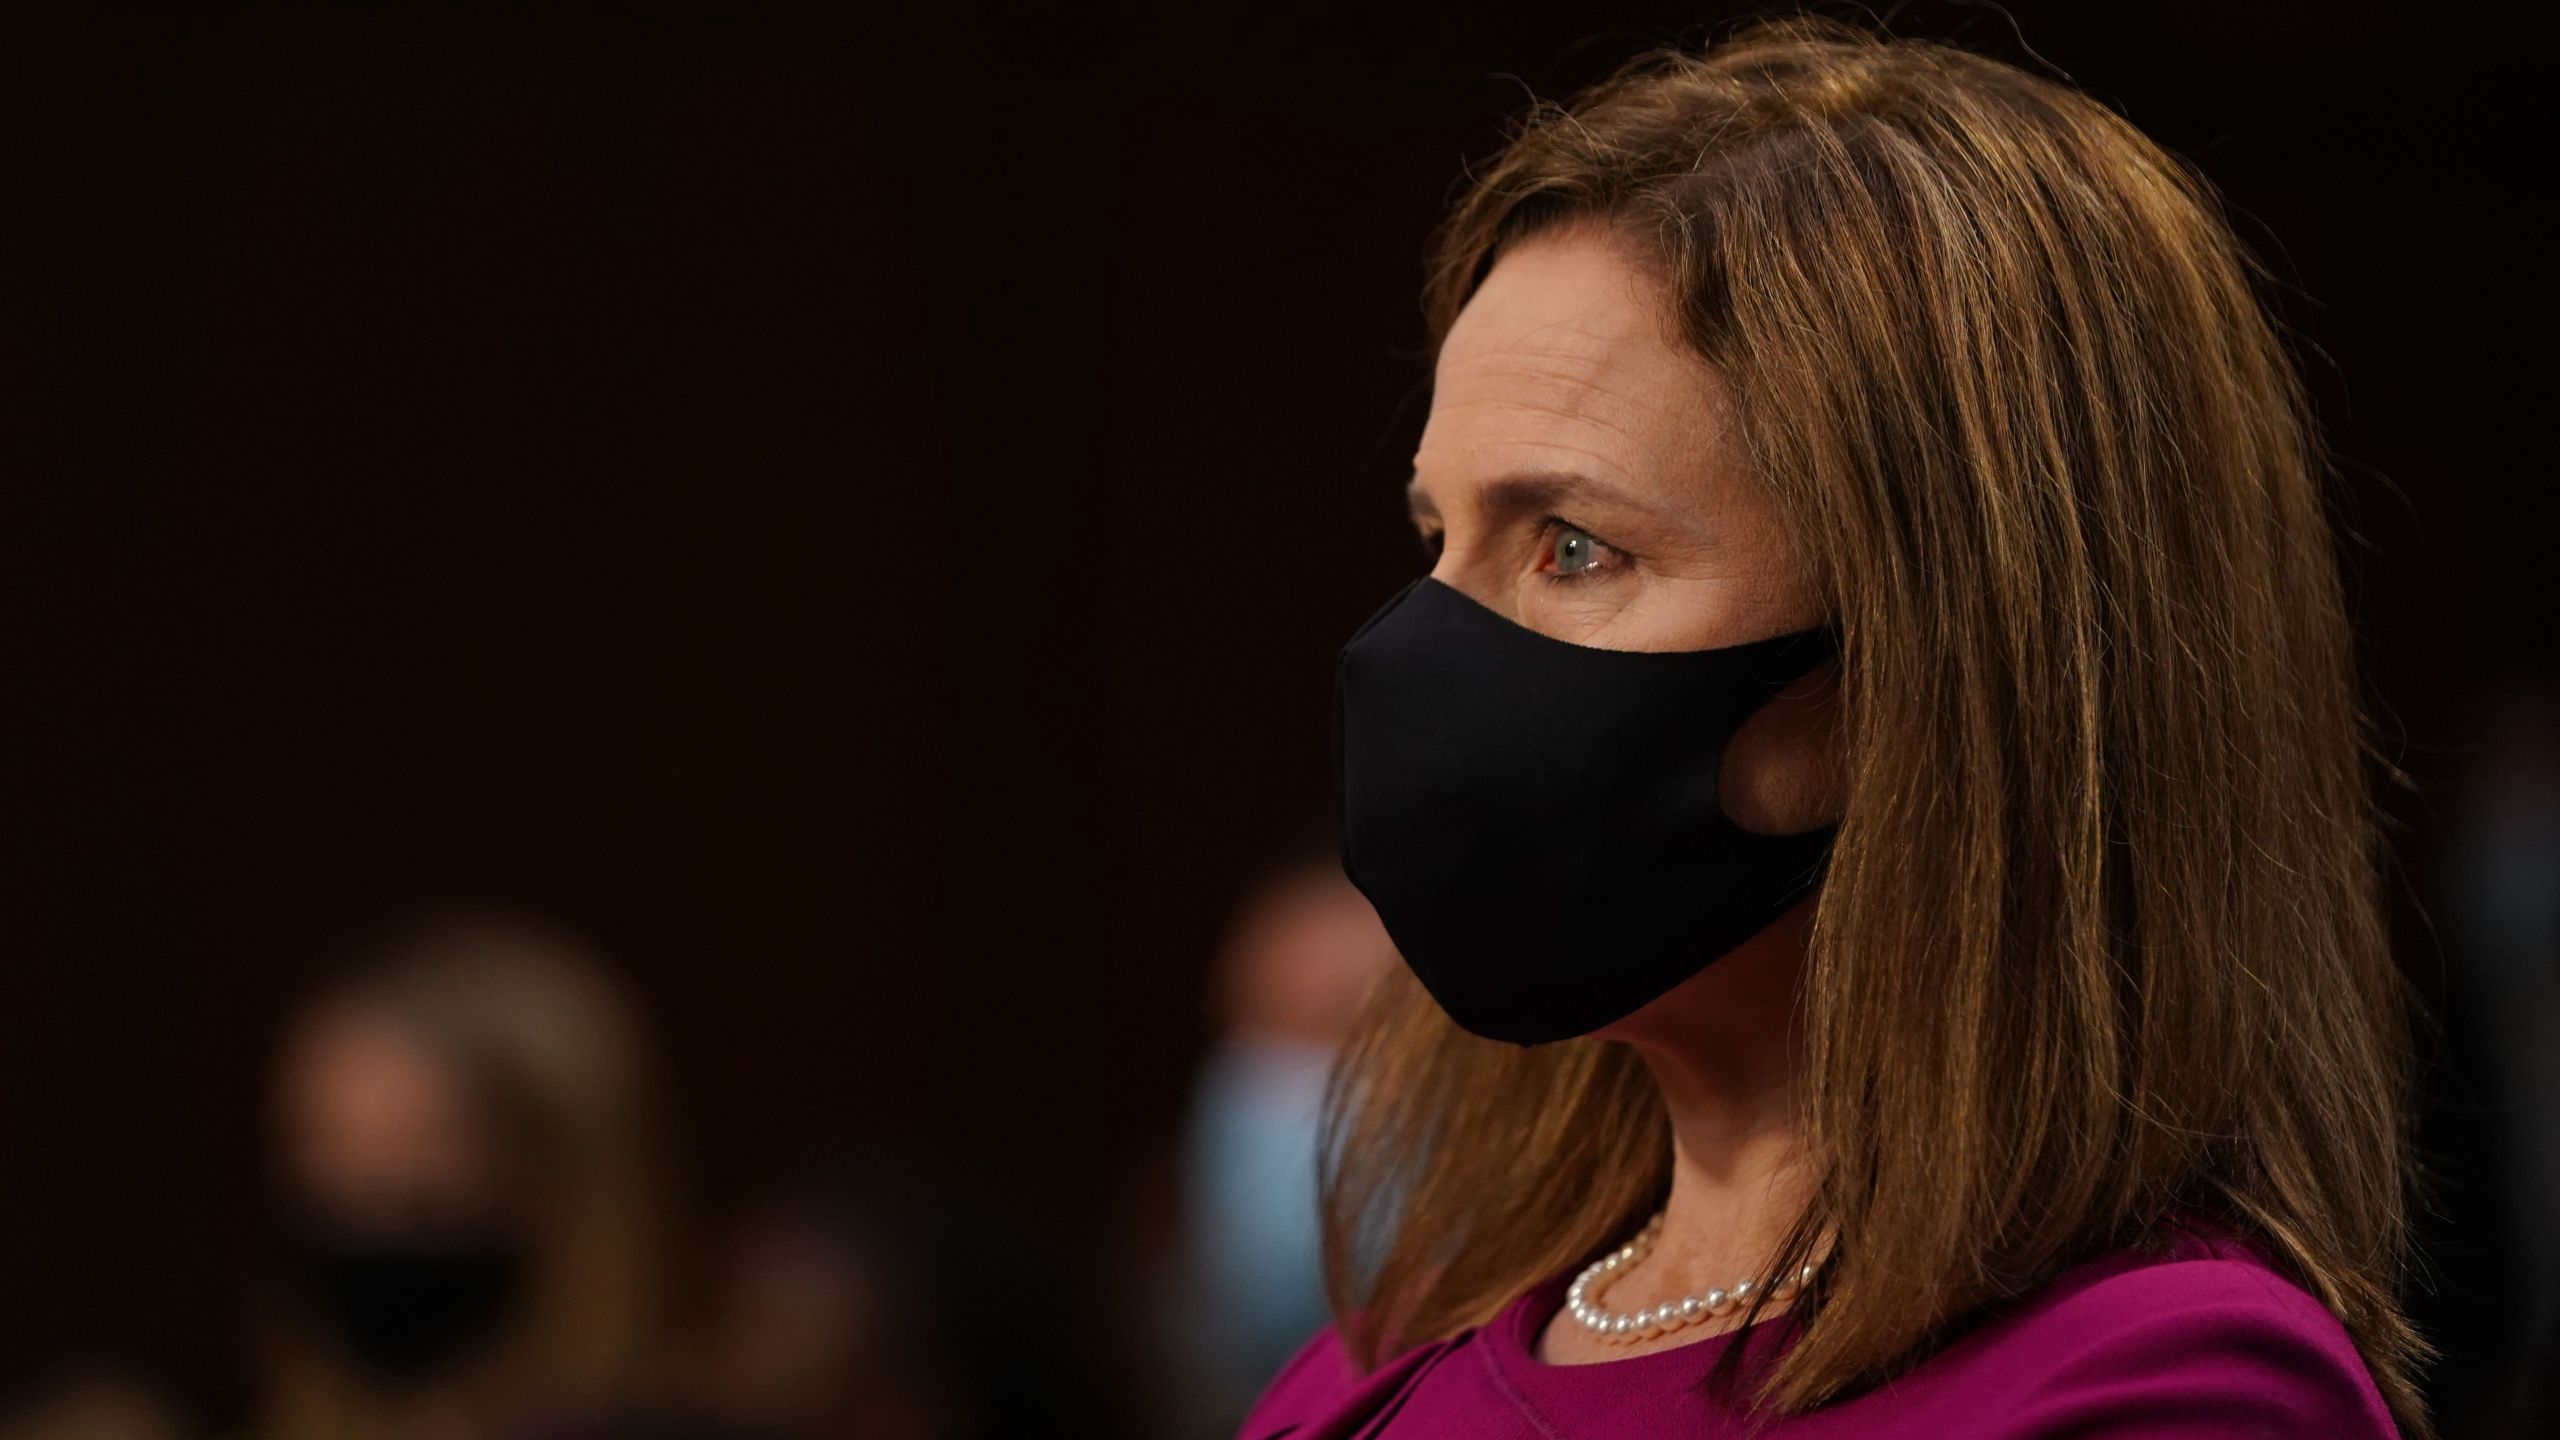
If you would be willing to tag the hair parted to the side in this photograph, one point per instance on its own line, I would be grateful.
(2102, 936)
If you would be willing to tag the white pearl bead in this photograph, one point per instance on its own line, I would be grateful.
(1670, 1314)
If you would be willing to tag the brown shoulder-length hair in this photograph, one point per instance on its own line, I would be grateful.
(2101, 941)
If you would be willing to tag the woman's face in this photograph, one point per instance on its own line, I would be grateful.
(378, 1134)
(1581, 474)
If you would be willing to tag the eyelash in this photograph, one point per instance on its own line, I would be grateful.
(1433, 541)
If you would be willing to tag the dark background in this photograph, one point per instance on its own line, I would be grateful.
(856, 517)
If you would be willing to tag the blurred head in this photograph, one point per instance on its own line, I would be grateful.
(465, 1163)
(820, 1325)
(1300, 955)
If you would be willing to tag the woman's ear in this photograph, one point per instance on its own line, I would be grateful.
(1782, 773)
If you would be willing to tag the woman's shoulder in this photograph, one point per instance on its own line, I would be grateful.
(2195, 1268)
(2202, 1337)
(1323, 1379)
(1320, 1370)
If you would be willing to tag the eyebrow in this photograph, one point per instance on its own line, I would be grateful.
(1541, 487)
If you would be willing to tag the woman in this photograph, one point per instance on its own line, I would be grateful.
(1872, 800)
(472, 1192)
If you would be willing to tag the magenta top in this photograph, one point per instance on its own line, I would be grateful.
(2207, 1342)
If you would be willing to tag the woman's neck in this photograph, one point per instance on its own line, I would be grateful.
(1737, 1177)
(1726, 1052)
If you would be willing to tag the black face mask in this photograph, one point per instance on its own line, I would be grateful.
(409, 1308)
(1537, 821)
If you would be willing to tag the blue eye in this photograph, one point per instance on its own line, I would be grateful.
(1574, 552)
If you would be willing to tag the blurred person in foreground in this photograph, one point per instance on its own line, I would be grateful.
(97, 1405)
(905, 1294)
(471, 1227)
(2501, 924)
(1300, 955)
(1872, 797)
(820, 1324)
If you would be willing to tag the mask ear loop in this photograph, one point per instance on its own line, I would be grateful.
(1822, 644)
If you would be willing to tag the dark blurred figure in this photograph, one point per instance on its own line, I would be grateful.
(1247, 1287)
(810, 1330)
(909, 1296)
(2501, 922)
(99, 1406)
(472, 1200)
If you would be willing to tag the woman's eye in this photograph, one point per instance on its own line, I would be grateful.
(1573, 552)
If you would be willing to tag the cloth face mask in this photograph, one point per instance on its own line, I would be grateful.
(1537, 821)
(411, 1308)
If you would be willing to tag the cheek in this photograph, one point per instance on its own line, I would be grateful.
(1782, 772)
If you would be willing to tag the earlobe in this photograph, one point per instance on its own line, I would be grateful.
(1782, 773)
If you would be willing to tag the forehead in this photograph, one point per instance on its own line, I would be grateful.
(351, 1069)
(1566, 351)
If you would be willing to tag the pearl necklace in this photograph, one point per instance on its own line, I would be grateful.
(1671, 1314)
